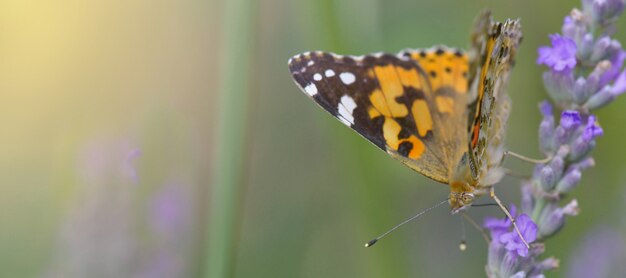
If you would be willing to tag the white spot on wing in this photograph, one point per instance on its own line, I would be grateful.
(347, 78)
(329, 73)
(310, 63)
(345, 108)
(311, 89)
(317, 77)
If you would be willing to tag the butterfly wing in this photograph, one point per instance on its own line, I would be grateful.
(390, 100)
(492, 57)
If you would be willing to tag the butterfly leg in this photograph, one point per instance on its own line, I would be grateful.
(514, 174)
(527, 159)
(508, 214)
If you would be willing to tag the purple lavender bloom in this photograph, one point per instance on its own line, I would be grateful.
(499, 226)
(561, 57)
(592, 129)
(570, 119)
(511, 240)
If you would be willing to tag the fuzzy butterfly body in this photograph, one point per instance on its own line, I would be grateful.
(439, 111)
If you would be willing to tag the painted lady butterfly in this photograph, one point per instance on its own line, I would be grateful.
(439, 111)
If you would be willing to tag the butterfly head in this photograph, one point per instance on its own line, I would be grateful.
(461, 197)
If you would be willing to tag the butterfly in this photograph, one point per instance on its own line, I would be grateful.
(440, 111)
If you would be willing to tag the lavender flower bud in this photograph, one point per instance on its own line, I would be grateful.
(561, 136)
(600, 99)
(603, 11)
(619, 87)
(615, 48)
(495, 258)
(574, 26)
(616, 63)
(579, 91)
(608, 93)
(571, 179)
(585, 47)
(580, 148)
(570, 120)
(559, 85)
(552, 217)
(547, 178)
(528, 200)
(557, 165)
(584, 164)
(510, 263)
(546, 128)
(595, 78)
(547, 264)
(599, 49)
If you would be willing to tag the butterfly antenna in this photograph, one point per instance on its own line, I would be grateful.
(485, 205)
(373, 241)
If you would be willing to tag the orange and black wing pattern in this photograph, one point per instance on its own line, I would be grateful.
(403, 107)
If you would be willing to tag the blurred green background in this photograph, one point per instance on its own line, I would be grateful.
(166, 139)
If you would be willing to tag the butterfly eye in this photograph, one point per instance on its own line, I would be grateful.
(467, 198)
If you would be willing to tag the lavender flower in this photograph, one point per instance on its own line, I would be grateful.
(498, 226)
(511, 240)
(508, 256)
(561, 57)
(103, 236)
(584, 73)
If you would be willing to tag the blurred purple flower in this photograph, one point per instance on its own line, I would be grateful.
(561, 57)
(170, 210)
(511, 240)
(603, 11)
(164, 264)
(546, 108)
(601, 253)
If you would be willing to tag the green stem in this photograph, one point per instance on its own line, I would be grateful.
(226, 179)
(540, 203)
